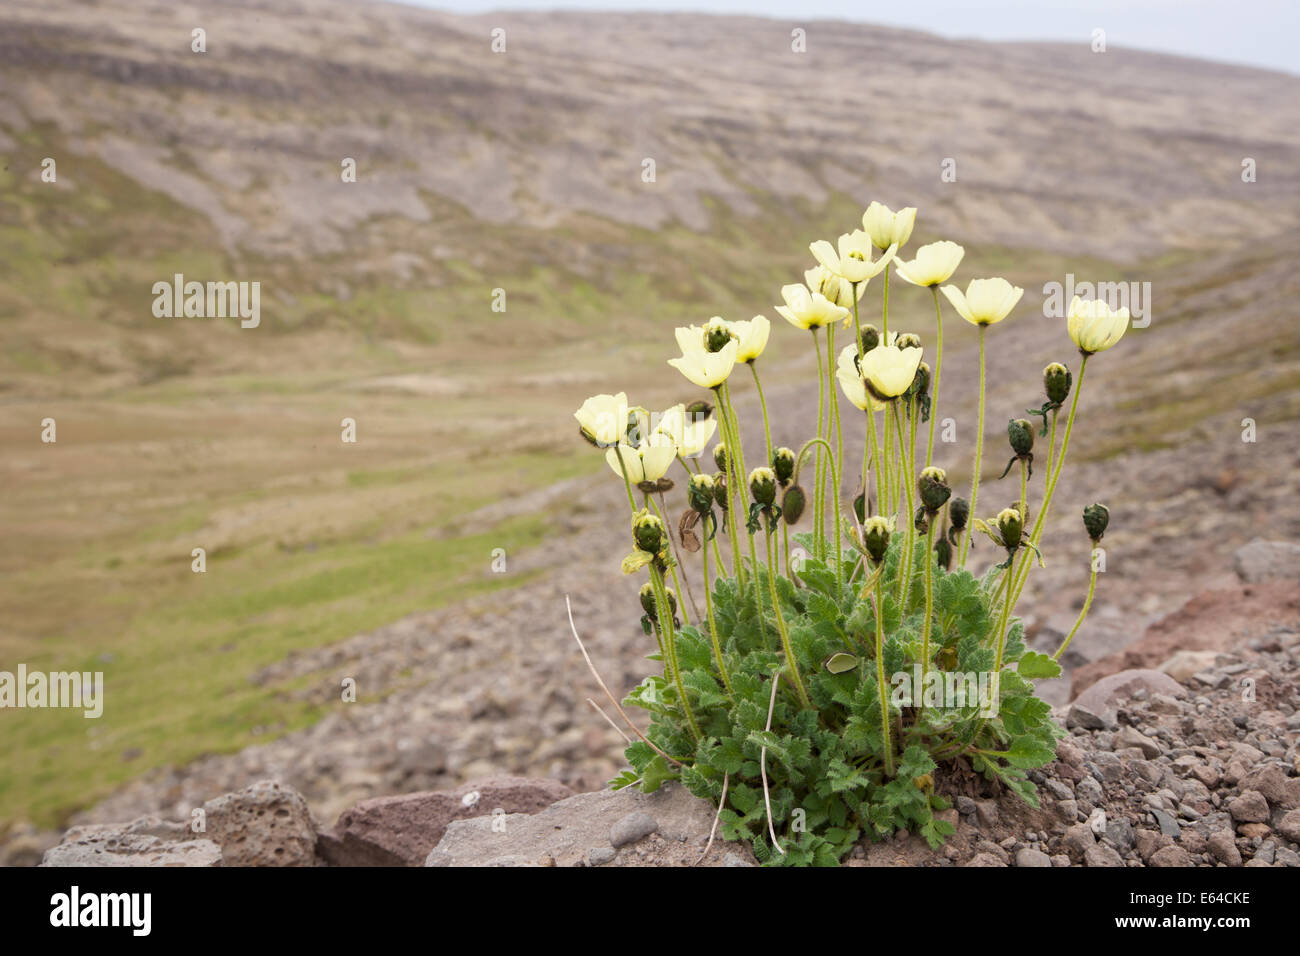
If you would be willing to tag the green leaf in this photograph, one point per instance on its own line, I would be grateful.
(1036, 665)
(840, 663)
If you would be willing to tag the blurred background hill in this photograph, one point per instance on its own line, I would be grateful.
(522, 171)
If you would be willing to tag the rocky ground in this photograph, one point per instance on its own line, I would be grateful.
(1193, 763)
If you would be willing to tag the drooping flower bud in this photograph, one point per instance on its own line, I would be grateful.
(783, 465)
(875, 537)
(933, 488)
(648, 531)
(921, 520)
(647, 596)
(921, 383)
(699, 491)
(650, 606)
(959, 513)
(1010, 527)
(1021, 434)
(792, 504)
(860, 506)
(720, 490)
(762, 485)
(1056, 382)
(943, 553)
(1095, 519)
(720, 457)
(870, 338)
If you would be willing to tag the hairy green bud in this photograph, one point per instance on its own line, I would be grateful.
(875, 537)
(1056, 382)
(720, 490)
(934, 490)
(762, 485)
(648, 604)
(1010, 526)
(870, 338)
(943, 553)
(720, 456)
(699, 491)
(921, 382)
(792, 504)
(1095, 519)
(908, 340)
(783, 465)
(1021, 434)
(648, 531)
(699, 411)
(959, 513)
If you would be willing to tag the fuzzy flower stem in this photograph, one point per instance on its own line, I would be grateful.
(767, 425)
(672, 568)
(1092, 591)
(1054, 475)
(831, 466)
(979, 453)
(905, 558)
(713, 627)
(665, 613)
(1002, 621)
(724, 421)
(819, 478)
(938, 365)
(791, 664)
(929, 600)
(736, 460)
(627, 483)
(881, 686)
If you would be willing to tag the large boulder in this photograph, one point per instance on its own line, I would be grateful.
(1262, 560)
(146, 841)
(266, 824)
(608, 827)
(400, 831)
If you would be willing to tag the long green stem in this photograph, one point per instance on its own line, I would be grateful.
(627, 483)
(665, 613)
(938, 365)
(1002, 620)
(834, 397)
(791, 663)
(1040, 523)
(713, 625)
(1092, 590)
(819, 525)
(979, 452)
(672, 568)
(905, 557)
(876, 459)
(882, 687)
(767, 425)
(929, 600)
(735, 455)
(724, 420)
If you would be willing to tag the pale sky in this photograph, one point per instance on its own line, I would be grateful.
(1263, 33)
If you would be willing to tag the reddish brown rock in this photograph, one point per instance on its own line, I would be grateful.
(1211, 621)
(400, 831)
